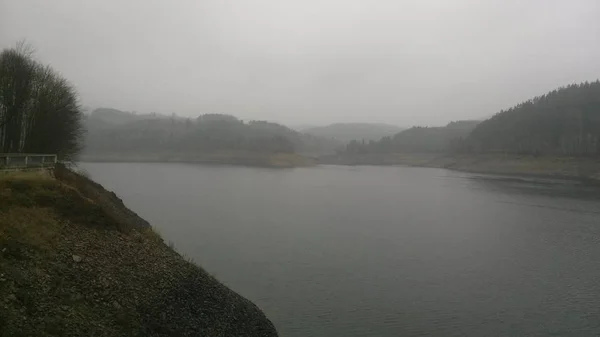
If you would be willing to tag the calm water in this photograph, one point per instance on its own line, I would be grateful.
(383, 251)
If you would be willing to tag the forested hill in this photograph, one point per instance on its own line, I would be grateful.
(346, 132)
(565, 121)
(118, 132)
(416, 140)
(117, 117)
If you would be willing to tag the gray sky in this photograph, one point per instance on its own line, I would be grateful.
(312, 61)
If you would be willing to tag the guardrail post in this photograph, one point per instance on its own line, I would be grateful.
(26, 160)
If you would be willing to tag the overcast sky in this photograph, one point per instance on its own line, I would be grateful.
(312, 61)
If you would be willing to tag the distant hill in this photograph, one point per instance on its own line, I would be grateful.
(117, 117)
(115, 132)
(346, 132)
(416, 140)
(565, 121)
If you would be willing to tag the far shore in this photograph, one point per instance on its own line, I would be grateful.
(573, 168)
(275, 160)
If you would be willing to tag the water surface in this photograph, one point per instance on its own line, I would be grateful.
(382, 251)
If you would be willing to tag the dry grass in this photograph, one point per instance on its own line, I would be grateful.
(33, 227)
(26, 175)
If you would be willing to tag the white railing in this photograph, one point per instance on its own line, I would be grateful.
(10, 161)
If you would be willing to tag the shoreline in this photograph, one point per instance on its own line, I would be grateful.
(550, 167)
(279, 160)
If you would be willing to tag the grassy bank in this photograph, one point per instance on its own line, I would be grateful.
(276, 160)
(543, 166)
(74, 261)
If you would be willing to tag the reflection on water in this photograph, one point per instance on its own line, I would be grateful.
(383, 251)
(559, 194)
(539, 186)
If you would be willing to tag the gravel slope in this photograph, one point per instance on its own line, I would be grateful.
(75, 262)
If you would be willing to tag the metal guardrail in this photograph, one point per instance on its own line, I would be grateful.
(17, 161)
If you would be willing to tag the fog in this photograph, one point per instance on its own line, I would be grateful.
(317, 62)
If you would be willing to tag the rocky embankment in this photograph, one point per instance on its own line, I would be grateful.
(74, 261)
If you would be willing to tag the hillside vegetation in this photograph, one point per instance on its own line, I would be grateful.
(416, 140)
(113, 133)
(564, 122)
(555, 135)
(74, 261)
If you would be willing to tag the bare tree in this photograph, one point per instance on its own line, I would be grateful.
(16, 75)
(39, 111)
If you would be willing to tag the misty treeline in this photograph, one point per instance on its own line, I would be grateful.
(346, 132)
(563, 122)
(111, 131)
(39, 111)
(416, 140)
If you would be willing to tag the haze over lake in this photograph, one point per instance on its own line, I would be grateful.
(382, 251)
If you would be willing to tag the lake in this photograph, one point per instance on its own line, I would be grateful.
(382, 251)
